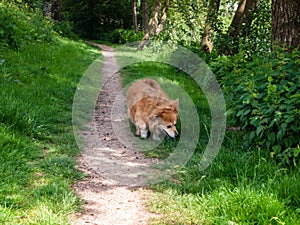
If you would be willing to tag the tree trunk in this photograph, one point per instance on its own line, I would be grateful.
(156, 22)
(153, 23)
(286, 22)
(145, 15)
(163, 18)
(135, 25)
(242, 16)
(236, 23)
(53, 9)
(211, 19)
(239, 26)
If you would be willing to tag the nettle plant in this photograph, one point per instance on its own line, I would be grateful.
(263, 97)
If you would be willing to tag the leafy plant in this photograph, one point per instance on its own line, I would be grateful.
(264, 100)
(19, 26)
(184, 23)
(65, 29)
(122, 36)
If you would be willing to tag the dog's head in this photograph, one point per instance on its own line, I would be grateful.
(165, 117)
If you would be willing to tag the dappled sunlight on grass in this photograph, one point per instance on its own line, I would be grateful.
(36, 135)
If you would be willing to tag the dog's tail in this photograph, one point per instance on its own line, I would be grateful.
(152, 83)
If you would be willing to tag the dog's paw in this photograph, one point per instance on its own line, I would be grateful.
(144, 133)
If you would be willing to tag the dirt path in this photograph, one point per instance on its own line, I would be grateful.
(113, 191)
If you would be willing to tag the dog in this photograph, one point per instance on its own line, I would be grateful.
(151, 110)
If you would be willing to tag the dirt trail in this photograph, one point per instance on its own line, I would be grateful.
(113, 191)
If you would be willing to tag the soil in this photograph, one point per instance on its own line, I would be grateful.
(113, 191)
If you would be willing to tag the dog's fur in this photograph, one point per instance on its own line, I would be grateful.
(150, 109)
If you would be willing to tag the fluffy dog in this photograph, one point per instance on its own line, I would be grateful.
(150, 109)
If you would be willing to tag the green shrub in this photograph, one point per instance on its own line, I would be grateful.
(263, 97)
(121, 36)
(65, 29)
(19, 26)
(184, 25)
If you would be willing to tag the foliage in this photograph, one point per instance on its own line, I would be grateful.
(65, 29)
(255, 36)
(92, 18)
(122, 36)
(184, 23)
(20, 26)
(264, 100)
(32, 4)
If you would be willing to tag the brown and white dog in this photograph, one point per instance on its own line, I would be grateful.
(150, 109)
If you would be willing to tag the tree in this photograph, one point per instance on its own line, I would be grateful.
(286, 22)
(145, 15)
(242, 16)
(211, 19)
(156, 22)
(135, 24)
(53, 9)
(239, 26)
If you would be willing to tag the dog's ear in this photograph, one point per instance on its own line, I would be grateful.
(153, 116)
(175, 104)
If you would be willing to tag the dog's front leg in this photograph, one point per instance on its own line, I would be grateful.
(156, 134)
(141, 129)
(156, 137)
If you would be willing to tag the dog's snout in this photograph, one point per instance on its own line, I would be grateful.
(176, 134)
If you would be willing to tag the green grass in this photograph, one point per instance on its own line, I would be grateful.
(241, 186)
(37, 85)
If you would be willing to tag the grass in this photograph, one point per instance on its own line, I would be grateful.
(37, 145)
(241, 186)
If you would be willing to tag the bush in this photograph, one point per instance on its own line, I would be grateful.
(264, 100)
(65, 29)
(121, 36)
(18, 26)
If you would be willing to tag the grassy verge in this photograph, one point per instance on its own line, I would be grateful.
(36, 138)
(242, 186)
